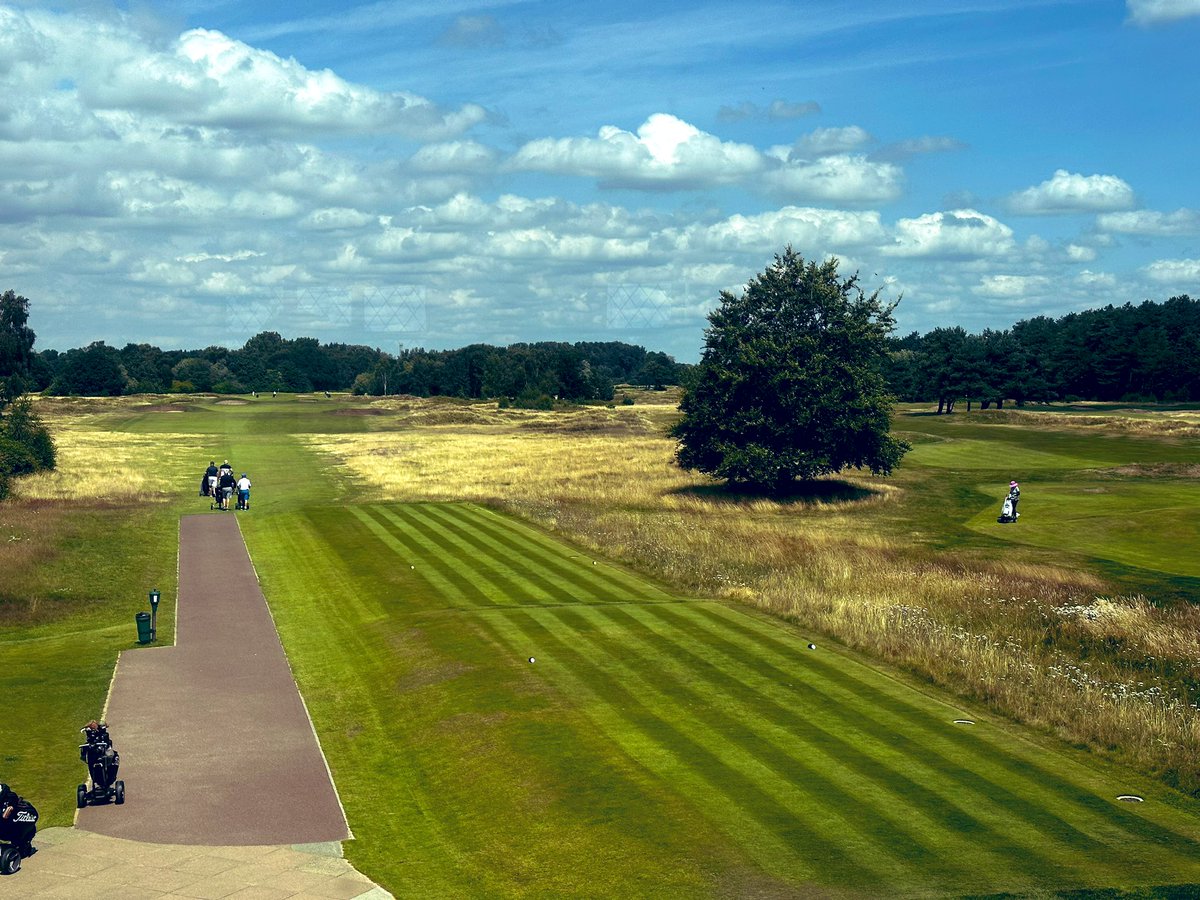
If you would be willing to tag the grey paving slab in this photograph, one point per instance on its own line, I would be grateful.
(66, 868)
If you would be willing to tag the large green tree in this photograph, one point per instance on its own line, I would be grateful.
(789, 385)
(25, 444)
(16, 347)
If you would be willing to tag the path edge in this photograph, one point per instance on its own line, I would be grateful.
(312, 726)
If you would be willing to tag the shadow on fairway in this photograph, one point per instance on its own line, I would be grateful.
(800, 493)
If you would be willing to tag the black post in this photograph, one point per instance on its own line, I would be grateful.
(154, 598)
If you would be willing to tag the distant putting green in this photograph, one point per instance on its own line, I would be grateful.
(534, 721)
(1134, 522)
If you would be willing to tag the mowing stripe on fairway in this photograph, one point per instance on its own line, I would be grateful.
(497, 554)
(862, 686)
(769, 831)
(820, 767)
(473, 590)
(529, 540)
(904, 740)
(811, 784)
(515, 586)
(548, 562)
(451, 591)
(550, 583)
(882, 803)
(597, 586)
(851, 755)
(562, 584)
(475, 572)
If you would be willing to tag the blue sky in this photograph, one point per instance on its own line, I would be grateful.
(187, 172)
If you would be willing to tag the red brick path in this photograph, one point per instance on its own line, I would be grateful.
(216, 746)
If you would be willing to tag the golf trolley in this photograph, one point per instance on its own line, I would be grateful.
(102, 762)
(1008, 512)
(16, 834)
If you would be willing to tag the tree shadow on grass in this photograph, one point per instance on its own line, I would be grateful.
(824, 492)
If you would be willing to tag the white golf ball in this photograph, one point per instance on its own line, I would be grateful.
(812, 646)
(532, 660)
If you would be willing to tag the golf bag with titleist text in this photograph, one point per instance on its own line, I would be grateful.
(18, 825)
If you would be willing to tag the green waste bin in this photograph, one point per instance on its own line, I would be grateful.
(143, 624)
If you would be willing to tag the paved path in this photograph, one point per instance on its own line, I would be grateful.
(216, 745)
(77, 865)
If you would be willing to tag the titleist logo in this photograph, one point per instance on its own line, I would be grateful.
(26, 817)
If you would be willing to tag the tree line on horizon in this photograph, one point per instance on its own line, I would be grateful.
(1148, 352)
(524, 372)
(1144, 353)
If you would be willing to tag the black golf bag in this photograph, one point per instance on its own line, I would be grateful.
(204, 486)
(103, 762)
(18, 825)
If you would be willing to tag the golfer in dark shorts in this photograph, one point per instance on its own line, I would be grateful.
(225, 485)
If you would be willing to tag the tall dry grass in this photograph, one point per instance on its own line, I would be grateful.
(112, 467)
(1041, 644)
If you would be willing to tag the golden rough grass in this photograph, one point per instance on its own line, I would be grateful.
(1032, 641)
(1165, 423)
(118, 467)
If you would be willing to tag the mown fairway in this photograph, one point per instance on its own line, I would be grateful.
(660, 744)
(657, 744)
(1123, 498)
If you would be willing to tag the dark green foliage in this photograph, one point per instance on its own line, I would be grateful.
(573, 372)
(25, 444)
(269, 362)
(16, 347)
(1140, 353)
(789, 384)
(93, 371)
(22, 426)
(199, 372)
(657, 372)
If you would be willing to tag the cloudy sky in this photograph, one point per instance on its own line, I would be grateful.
(439, 172)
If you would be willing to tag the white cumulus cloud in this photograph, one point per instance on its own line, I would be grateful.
(959, 233)
(1184, 272)
(1068, 192)
(206, 78)
(815, 230)
(835, 179)
(1151, 222)
(1090, 279)
(1156, 12)
(248, 87)
(831, 141)
(1012, 287)
(665, 152)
